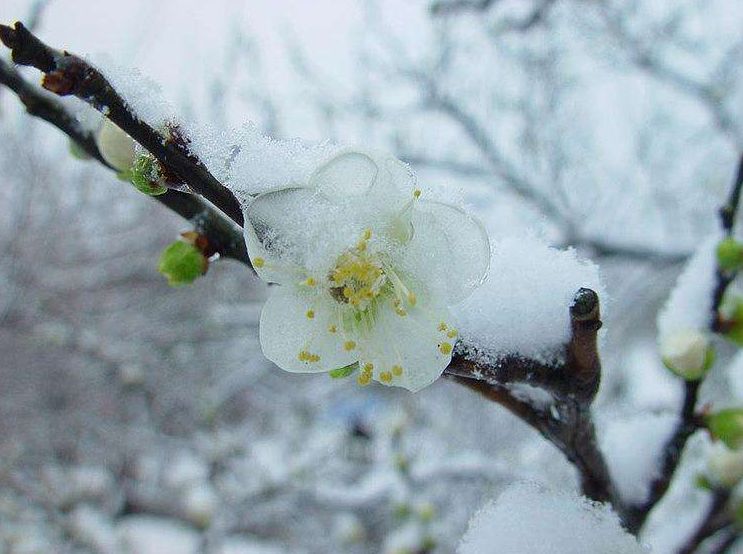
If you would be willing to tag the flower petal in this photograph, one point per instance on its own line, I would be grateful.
(350, 173)
(286, 330)
(409, 351)
(450, 249)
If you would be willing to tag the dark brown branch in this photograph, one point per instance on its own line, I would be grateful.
(573, 385)
(715, 519)
(689, 422)
(223, 235)
(67, 74)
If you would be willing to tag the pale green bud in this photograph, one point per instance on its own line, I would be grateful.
(182, 264)
(687, 353)
(116, 147)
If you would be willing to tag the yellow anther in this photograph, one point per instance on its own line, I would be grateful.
(349, 345)
(368, 367)
(332, 329)
(310, 314)
(417, 193)
(367, 234)
(401, 312)
(363, 379)
(314, 358)
(348, 292)
(451, 334)
(412, 299)
(385, 376)
(442, 326)
(310, 282)
(303, 356)
(259, 262)
(396, 370)
(445, 348)
(361, 246)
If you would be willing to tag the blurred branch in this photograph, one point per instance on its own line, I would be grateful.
(444, 7)
(567, 422)
(689, 422)
(715, 519)
(223, 235)
(66, 74)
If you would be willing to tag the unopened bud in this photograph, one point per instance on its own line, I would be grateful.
(727, 426)
(116, 147)
(725, 466)
(730, 255)
(182, 264)
(688, 354)
(145, 176)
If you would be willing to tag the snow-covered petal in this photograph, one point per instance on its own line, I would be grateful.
(449, 248)
(417, 343)
(286, 331)
(350, 173)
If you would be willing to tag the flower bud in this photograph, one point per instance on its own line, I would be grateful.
(145, 176)
(182, 263)
(727, 426)
(725, 466)
(116, 147)
(730, 255)
(688, 354)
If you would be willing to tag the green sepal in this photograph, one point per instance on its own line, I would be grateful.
(145, 177)
(732, 312)
(727, 426)
(182, 263)
(343, 372)
(702, 482)
(78, 152)
(730, 255)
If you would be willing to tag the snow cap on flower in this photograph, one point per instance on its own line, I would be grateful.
(116, 147)
(687, 353)
(367, 268)
(725, 466)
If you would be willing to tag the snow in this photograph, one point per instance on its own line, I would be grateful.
(154, 535)
(689, 306)
(526, 519)
(523, 307)
(632, 446)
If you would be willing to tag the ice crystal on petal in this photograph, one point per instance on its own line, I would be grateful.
(367, 268)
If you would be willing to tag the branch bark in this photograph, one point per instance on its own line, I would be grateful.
(66, 74)
(224, 236)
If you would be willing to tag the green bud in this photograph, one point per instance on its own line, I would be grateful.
(145, 176)
(730, 255)
(182, 263)
(727, 426)
(401, 511)
(688, 354)
(342, 372)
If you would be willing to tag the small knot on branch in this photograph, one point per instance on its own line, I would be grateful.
(583, 362)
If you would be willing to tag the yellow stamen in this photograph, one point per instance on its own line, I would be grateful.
(396, 370)
(385, 376)
(412, 299)
(332, 329)
(310, 314)
(310, 282)
(367, 234)
(368, 367)
(442, 326)
(364, 379)
(451, 334)
(349, 345)
(417, 193)
(445, 348)
(259, 262)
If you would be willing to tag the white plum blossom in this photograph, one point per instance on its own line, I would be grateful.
(725, 466)
(366, 270)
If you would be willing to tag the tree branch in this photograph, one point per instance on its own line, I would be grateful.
(573, 385)
(67, 74)
(715, 519)
(689, 422)
(223, 235)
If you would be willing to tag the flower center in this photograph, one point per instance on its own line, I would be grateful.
(357, 278)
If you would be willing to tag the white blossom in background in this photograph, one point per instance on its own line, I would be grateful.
(116, 147)
(366, 268)
(687, 353)
(526, 519)
(724, 466)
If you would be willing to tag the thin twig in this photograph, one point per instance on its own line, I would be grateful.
(716, 518)
(67, 74)
(223, 235)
